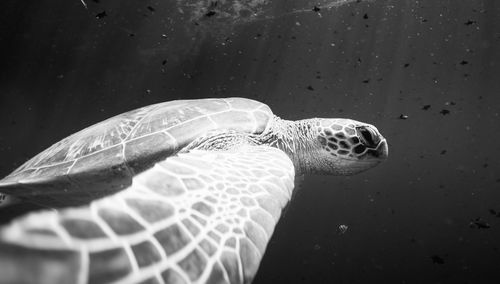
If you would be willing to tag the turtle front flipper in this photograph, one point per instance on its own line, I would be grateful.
(199, 217)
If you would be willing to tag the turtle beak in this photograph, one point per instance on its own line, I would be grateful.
(380, 152)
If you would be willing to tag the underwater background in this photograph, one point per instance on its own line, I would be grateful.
(426, 73)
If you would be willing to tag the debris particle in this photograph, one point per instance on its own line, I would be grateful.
(365, 16)
(426, 107)
(437, 259)
(366, 81)
(164, 62)
(444, 112)
(406, 65)
(493, 212)
(403, 116)
(443, 152)
(342, 229)
(101, 15)
(463, 62)
(210, 13)
(450, 103)
(310, 88)
(469, 22)
(151, 8)
(479, 223)
(316, 9)
(164, 36)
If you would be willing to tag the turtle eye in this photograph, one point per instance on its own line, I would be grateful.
(368, 136)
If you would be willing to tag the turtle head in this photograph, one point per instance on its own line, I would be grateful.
(346, 146)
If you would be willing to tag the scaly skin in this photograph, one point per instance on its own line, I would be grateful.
(199, 217)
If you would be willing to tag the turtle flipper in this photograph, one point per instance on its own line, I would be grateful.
(202, 216)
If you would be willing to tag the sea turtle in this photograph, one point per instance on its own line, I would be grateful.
(184, 191)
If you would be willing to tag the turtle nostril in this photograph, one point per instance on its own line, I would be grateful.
(368, 136)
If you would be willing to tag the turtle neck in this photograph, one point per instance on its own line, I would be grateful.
(296, 139)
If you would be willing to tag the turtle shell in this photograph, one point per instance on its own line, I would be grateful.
(103, 158)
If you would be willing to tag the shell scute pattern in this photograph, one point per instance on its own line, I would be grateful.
(133, 141)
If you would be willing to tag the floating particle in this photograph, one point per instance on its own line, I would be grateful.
(316, 9)
(310, 88)
(164, 62)
(469, 22)
(450, 103)
(426, 107)
(151, 8)
(493, 212)
(479, 223)
(210, 13)
(365, 16)
(464, 62)
(437, 259)
(366, 81)
(406, 65)
(444, 112)
(342, 229)
(443, 152)
(403, 116)
(101, 15)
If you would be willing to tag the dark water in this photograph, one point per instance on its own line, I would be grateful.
(411, 220)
